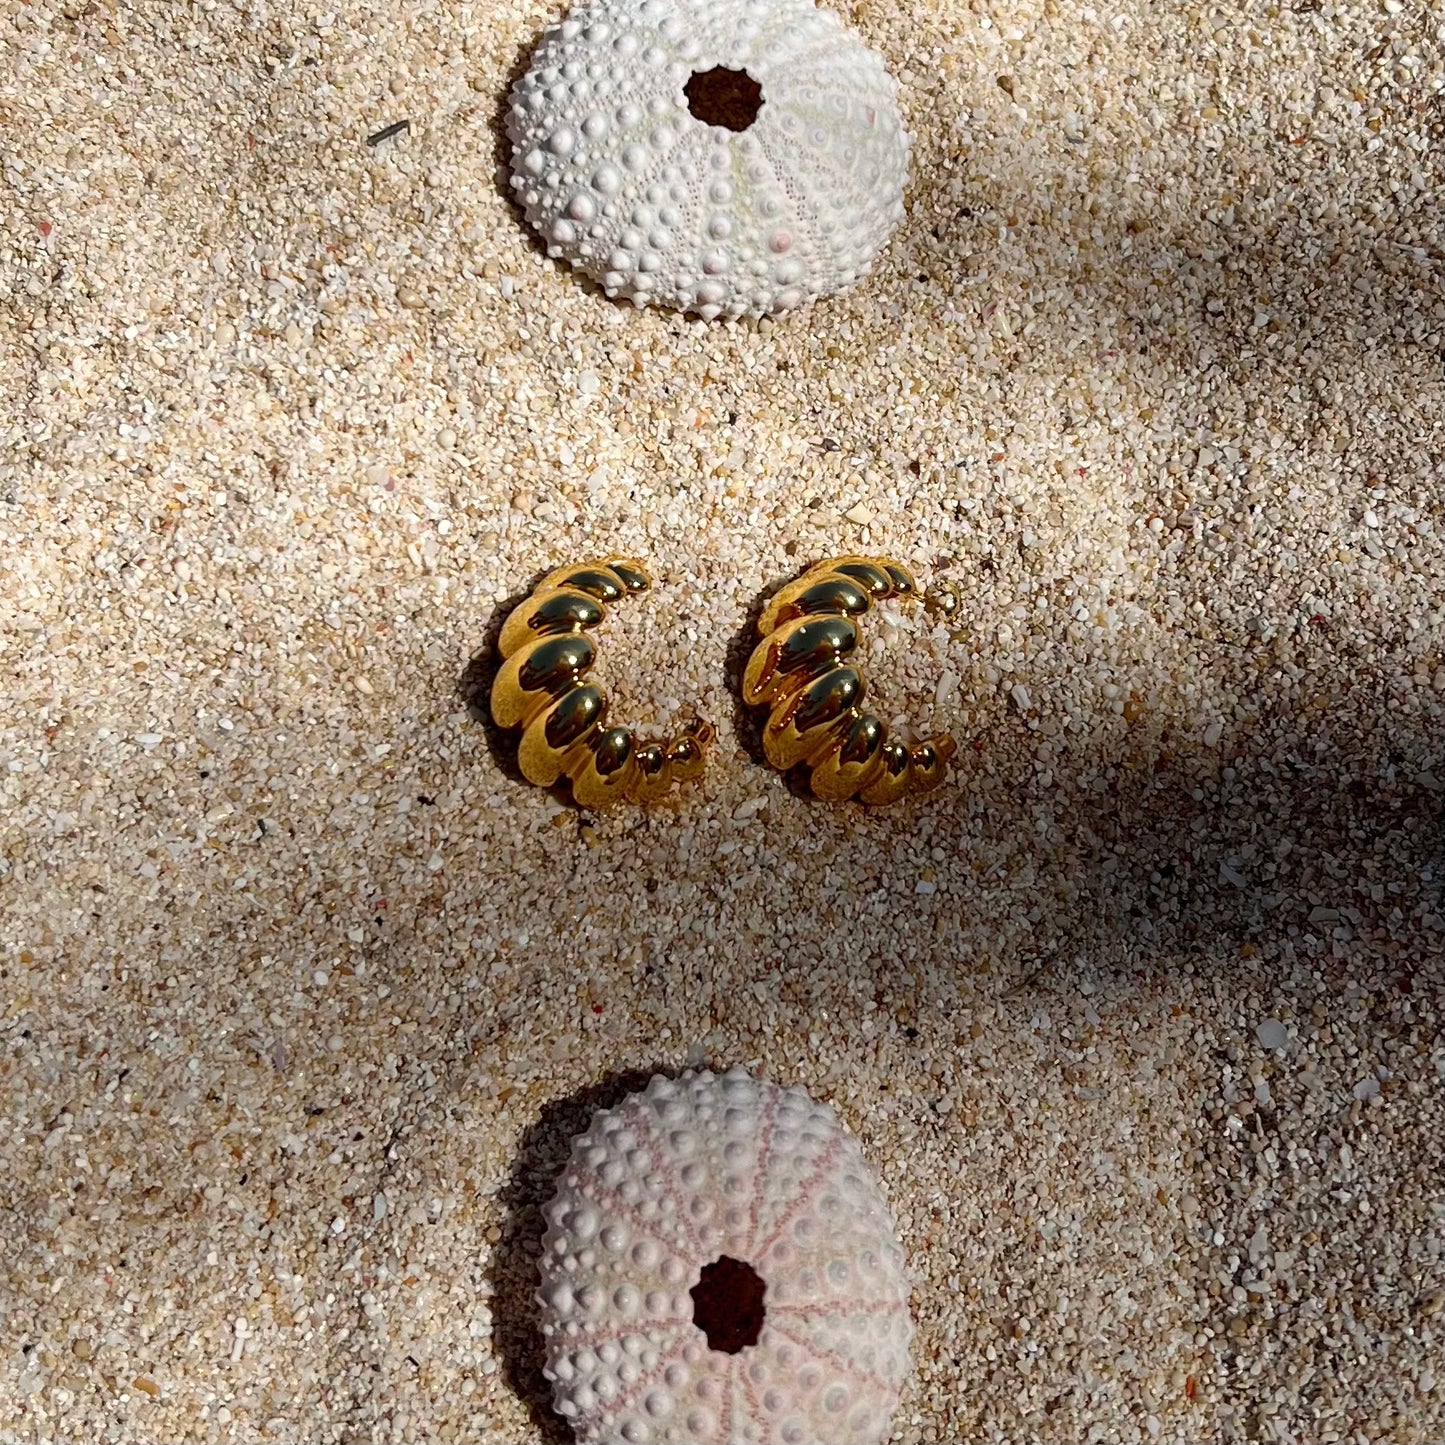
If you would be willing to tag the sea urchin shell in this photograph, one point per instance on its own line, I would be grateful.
(728, 157)
(719, 1265)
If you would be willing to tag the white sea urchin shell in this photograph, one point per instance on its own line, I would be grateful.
(719, 1265)
(620, 176)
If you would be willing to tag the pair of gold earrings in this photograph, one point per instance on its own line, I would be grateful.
(801, 670)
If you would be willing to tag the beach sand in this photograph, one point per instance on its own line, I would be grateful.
(303, 992)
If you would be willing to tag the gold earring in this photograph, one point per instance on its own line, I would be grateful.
(800, 672)
(540, 688)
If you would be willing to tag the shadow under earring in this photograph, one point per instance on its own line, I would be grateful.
(547, 652)
(803, 674)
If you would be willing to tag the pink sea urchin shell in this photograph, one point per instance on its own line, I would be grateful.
(719, 1265)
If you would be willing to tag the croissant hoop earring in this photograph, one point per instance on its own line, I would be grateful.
(547, 652)
(802, 674)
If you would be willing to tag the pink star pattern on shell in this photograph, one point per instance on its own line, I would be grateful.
(720, 1266)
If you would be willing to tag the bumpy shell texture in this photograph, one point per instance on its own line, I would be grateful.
(713, 1167)
(619, 175)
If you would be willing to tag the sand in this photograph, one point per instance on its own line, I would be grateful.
(302, 992)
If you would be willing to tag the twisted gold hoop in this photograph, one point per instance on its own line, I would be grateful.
(798, 671)
(539, 688)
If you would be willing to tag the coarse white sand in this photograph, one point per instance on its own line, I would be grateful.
(302, 992)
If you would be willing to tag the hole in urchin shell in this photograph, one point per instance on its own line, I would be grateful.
(727, 1304)
(730, 98)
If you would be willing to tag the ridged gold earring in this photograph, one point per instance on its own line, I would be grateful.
(800, 672)
(546, 653)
